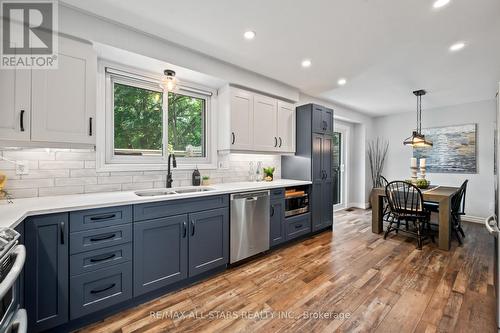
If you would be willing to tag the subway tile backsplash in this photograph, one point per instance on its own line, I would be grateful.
(72, 171)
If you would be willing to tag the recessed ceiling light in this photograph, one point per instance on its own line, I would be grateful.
(440, 3)
(457, 46)
(249, 34)
(341, 82)
(306, 63)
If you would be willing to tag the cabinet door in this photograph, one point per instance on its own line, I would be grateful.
(15, 104)
(241, 105)
(265, 137)
(326, 157)
(63, 99)
(317, 179)
(326, 204)
(328, 121)
(286, 127)
(208, 240)
(318, 121)
(277, 232)
(160, 253)
(46, 285)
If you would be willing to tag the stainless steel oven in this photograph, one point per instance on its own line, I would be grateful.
(12, 257)
(296, 202)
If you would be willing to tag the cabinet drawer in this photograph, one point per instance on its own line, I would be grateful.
(90, 261)
(277, 193)
(97, 239)
(297, 226)
(98, 218)
(154, 210)
(97, 290)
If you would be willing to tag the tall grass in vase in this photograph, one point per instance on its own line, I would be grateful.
(377, 153)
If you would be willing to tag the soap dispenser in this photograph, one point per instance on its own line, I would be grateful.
(196, 177)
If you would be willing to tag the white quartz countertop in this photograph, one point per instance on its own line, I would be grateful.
(12, 214)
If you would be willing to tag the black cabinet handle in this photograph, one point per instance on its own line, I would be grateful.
(272, 210)
(90, 126)
(325, 125)
(97, 291)
(233, 138)
(102, 217)
(101, 238)
(102, 258)
(281, 142)
(184, 228)
(297, 226)
(62, 225)
(275, 141)
(192, 226)
(21, 121)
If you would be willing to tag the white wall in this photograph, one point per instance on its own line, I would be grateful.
(395, 128)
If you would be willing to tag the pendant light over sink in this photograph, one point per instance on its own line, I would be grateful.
(417, 139)
(169, 81)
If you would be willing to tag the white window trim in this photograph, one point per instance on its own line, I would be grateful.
(104, 122)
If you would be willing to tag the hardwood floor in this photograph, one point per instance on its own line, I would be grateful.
(363, 282)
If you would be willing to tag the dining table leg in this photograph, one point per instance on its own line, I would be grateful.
(377, 212)
(444, 224)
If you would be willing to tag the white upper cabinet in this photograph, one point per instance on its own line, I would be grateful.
(264, 123)
(64, 99)
(286, 127)
(241, 118)
(251, 122)
(15, 104)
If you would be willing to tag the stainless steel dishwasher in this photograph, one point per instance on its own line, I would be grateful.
(249, 224)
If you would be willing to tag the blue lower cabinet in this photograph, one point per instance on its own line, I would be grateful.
(277, 222)
(297, 226)
(46, 271)
(94, 291)
(160, 253)
(208, 240)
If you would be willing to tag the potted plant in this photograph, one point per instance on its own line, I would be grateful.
(268, 172)
(205, 180)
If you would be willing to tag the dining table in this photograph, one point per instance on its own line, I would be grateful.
(439, 194)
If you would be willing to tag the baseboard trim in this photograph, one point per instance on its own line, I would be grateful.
(365, 205)
(473, 219)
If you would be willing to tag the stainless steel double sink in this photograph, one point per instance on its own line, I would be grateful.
(172, 191)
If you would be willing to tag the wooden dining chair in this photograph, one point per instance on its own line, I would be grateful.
(406, 204)
(458, 210)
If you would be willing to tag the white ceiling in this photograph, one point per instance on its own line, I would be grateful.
(384, 48)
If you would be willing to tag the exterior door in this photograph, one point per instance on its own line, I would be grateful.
(241, 119)
(208, 240)
(47, 273)
(64, 99)
(286, 127)
(15, 106)
(265, 137)
(160, 253)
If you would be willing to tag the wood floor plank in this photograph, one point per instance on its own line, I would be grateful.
(349, 280)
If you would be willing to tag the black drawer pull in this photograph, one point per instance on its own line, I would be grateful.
(101, 238)
(90, 126)
(297, 226)
(101, 258)
(102, 217)
(272, 210)
(97, 291)
(193, 226)
(281, 142)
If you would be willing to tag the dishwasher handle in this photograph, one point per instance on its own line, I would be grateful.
(250, 196)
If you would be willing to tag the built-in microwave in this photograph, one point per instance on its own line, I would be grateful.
(296, 202)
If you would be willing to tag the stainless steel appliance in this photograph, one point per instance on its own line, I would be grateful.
(491, 222)
(296, 203)
(12, 257)
(249, 224)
